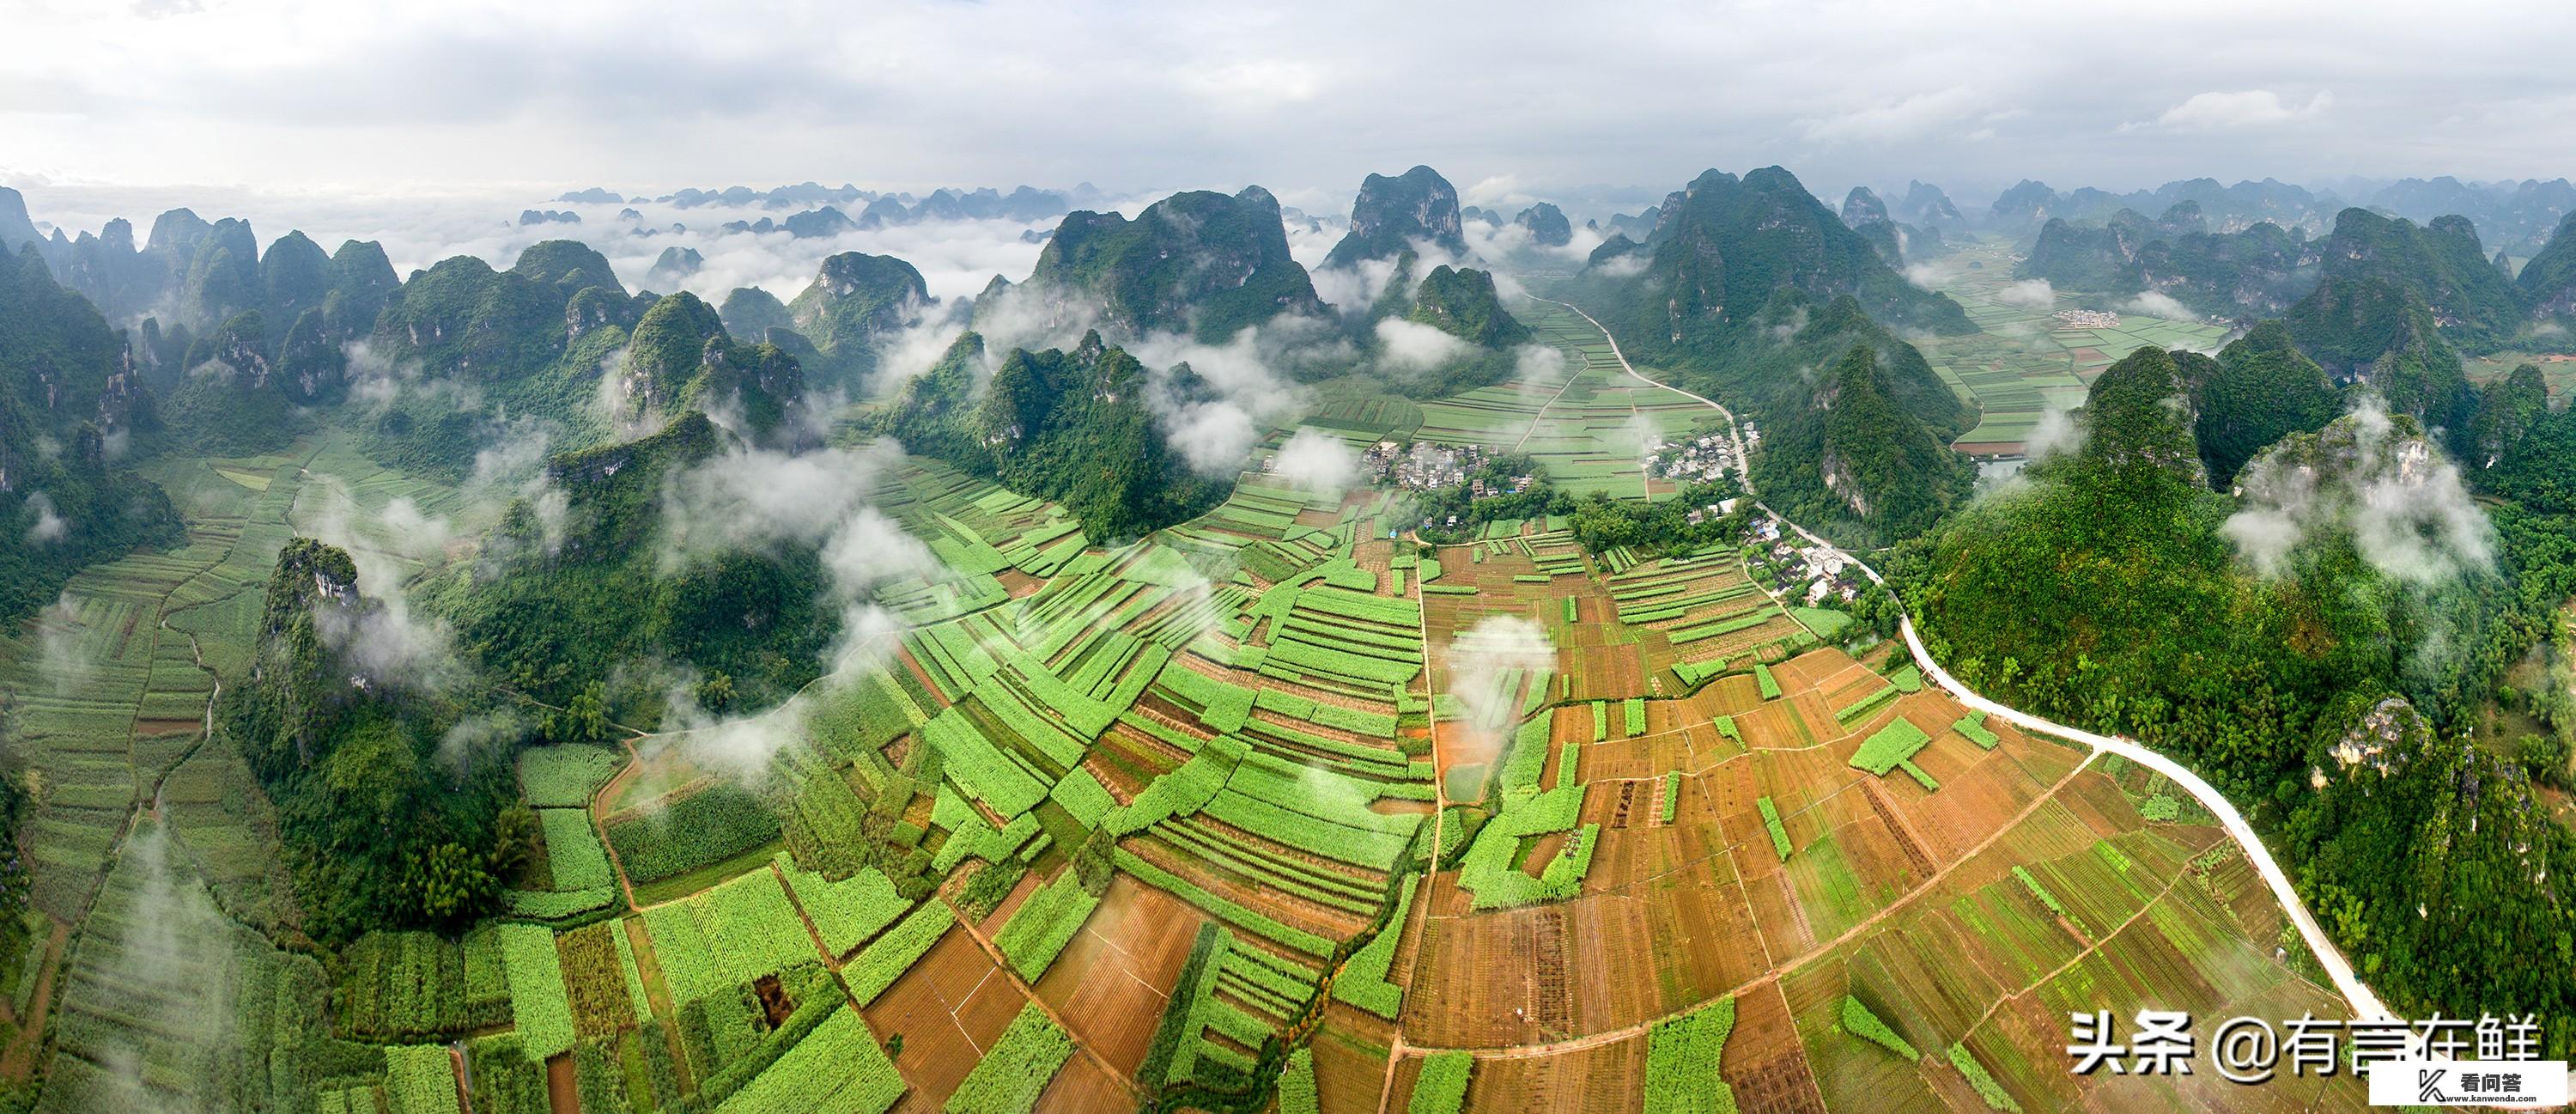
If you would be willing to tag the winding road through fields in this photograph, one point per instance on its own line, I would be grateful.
(2365, 1004)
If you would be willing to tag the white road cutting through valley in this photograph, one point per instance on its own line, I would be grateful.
(2365, 1004)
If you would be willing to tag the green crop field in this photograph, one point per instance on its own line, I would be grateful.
(2023, 362)
(1276, 732)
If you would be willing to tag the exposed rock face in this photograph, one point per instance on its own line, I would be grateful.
(1547, 225)
(1391, 213)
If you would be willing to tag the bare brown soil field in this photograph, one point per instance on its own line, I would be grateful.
(1673, 938)
(1112, 981)
(949, 1008)
(1681, 747)
(1811, 669)
(1604, 1079)
(1764, 1062)
(1349, 1070)
(1082, 1086)
(562, 1096)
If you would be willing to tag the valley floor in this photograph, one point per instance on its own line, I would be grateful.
(1183, 798)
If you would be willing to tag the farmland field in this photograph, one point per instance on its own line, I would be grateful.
(2025, 361)
(1092, 826)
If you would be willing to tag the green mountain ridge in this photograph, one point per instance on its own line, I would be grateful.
(1072, 425)
(1723, 246)
(2440, 267)
(66, 382)
(1200, 263)
(1390, 214)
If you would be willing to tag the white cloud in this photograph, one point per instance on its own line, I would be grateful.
(2399, 499)
(431, 126)
(1480, 659)
(63, 657)
(1318, 462)
(386, 639)
(49, 525)
(753, 499)
(1905, 117)
(2157, 303)
(2054, 433)
(1406, 346)
(1252, 383)
(2028, 294)
(2250, 108)
(1539, 367)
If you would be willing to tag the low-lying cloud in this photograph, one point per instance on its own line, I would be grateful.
(2056, 432)
(387, 641)
(1318, 463)
(2028, 294)
(46, 524)
(1483, 657)
(1251, 385)
(62, 655)
(2157, 303)
(756, 499)
(2397, 497)
(1407, 347)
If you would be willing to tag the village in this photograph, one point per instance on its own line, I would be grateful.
(1704, 457)
(1424, 466)
(2087, 319)
(1810, 574)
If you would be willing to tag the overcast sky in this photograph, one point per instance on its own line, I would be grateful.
(1158, 94)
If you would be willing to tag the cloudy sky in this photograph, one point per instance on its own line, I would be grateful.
(643, 96)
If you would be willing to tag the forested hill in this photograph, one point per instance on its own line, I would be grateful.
(562, 595)
(1724, 245)
(1201, 263)
(2258, 271)
(854, 300)
(1073, 425)
(2440, 266)
(2252, 635)
(386, 817)
(1856, 425)
(1391, 214)
(68, 391)
(1458, 302)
